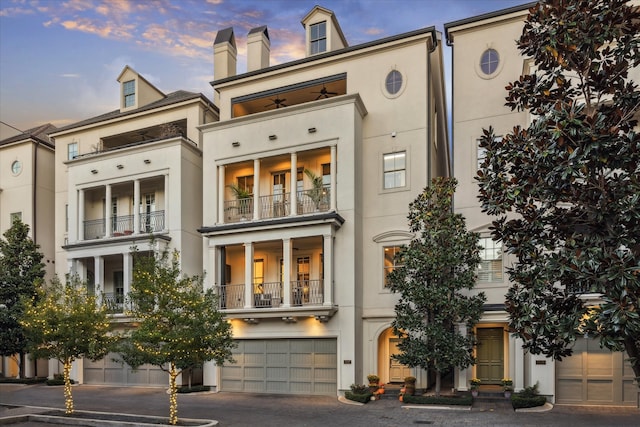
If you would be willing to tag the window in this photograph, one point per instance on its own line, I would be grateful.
(489, 61)
(16, 167)
(481, 154)
(66, 217)
(326, 175)
(395, 169)
(318, 39)
(490, 269)
(15, 216)
(72, 151)
(390, 253)
(129, 93)
(393, 82)
(258, 275)
(245, 183)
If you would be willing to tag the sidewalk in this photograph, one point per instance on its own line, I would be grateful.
(238, 409)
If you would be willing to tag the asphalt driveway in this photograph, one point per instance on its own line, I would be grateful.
(236, 409)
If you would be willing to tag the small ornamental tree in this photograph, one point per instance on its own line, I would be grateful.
(566, 189)
(21, 270)
(178, 324)
(64, 323)
(436, 273)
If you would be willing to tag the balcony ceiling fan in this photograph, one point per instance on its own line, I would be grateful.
(277, 102)
(324, 93)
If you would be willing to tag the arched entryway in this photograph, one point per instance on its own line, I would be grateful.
(389, 370)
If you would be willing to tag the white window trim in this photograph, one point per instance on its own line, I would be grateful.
(383, 84)
(380, 160)
(498, 70)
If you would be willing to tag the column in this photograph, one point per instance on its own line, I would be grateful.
(166, 202)
(136, 206)
(293, 211)
(327, 251)
(127, 277)
(518, 358)
(98, 273)
(81, 208)
(462, 376)
(221, 192)
(248, 275)
(287, 245)
(256, 189)
(107, 219)
(334, 194)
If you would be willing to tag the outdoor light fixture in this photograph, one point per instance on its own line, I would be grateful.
(147, 161)
(94, 171)
(289, 319)
(119, 166)
(273, 137)
(322, 318)
(312, 130)
(251, 321)
(236, 143)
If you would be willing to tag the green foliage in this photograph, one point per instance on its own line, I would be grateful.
(466, 400)
(193, 389)
(316, 192)
(21, 269)
(529, 391)
(518, 401)
(65, 323)
(359, 389)
(566, 189)
(239, 192)
(359, 393)
(436, 273)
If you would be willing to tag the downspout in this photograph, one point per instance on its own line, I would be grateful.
(432, 48)
(35, 189)
(451, 147)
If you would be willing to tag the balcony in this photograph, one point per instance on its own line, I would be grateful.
(270, 295)
(123, 225)
(277, 206)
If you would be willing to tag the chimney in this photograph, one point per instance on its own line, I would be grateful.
(258, 48)
(224, 54)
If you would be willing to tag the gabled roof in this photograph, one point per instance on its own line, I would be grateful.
(172, 98)
(38, 134)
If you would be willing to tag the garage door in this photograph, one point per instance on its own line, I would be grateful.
(106, 371)
(283, 366)
(595, 376)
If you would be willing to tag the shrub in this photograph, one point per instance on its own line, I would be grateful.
(36, 380)
(359, 389)
(442, 400)
(58, 379)
(373, 379)
(527, 402)
(362, 398)
(193, 389)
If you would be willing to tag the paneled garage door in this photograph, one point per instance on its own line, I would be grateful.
(283, 366)
(106, 371)
(595, 376)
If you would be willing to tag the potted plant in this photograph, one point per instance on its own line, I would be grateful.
(410, 385)
(507, 385)
(373, 382)
(317, 192)
(243, 198)
(475, 386)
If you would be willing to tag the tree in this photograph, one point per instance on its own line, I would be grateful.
(566, 189)
(178, 324)
(21, 269)
(437, 270)
(64, 323)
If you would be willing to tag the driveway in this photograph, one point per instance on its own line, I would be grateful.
(239, 409)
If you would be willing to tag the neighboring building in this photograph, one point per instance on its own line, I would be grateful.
(27, 193)
(300, 259)
(122, 179)
(485, 60)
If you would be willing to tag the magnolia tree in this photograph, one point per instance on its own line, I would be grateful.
(566, 188)
(178, 325)
(435, 276)
(21, 269)
(66, 324)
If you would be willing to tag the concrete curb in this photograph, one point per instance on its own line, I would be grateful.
(439, 407)
(346, 401)
(544, 408)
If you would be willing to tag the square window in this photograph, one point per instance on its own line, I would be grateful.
(395, 169)
(15, 216)
(72, 151)
(490, 269)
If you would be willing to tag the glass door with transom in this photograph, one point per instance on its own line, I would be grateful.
(279, 194)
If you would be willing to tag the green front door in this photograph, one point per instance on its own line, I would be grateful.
(490, 355)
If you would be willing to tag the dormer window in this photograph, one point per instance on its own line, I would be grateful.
(318, 39)
(129, 93)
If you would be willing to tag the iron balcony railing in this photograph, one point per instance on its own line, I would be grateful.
(239, 209)
(114, 302)
(278, 205)
(270, 295)
(122, 225)
(152, 222)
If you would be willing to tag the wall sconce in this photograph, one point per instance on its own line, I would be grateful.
(235, 143)
(312, 130)
(322, 318)
(251, 321)
(147, 161)
(273, 137)
(289, 319)
(119, 166)
(94, 171)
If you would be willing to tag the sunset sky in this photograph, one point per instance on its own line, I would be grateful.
(59, 59)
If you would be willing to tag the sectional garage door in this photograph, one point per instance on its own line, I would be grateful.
(283, 366)
(595, 376)
(106, 371)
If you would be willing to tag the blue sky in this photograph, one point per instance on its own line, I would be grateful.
(59, 59)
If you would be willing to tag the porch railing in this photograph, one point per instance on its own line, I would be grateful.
(271, 295)
(114, 302)
(239, 209)
(152, 222)
(275, 206)
(122, 225)
(94, 229)
(278, 205)
(314, 200)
